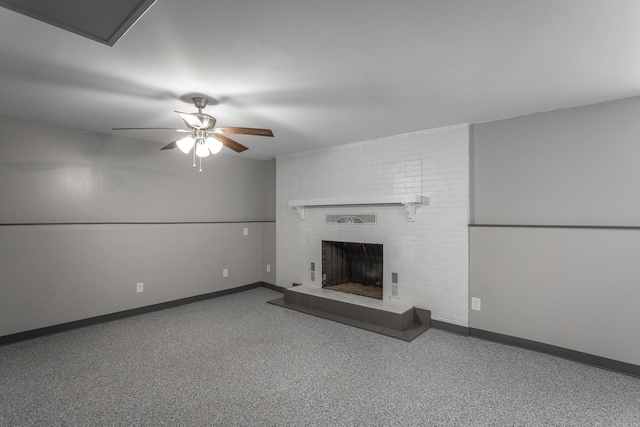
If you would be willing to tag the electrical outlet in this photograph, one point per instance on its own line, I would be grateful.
(475, 304)
(268, 268)
(246, 231)
(225, 273)
(139, 287)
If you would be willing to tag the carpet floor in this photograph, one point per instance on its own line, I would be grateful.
(238, 361)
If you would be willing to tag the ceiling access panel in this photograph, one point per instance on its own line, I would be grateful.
(104, 21)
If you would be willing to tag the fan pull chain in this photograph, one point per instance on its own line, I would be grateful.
(194, 156)
(200, 164)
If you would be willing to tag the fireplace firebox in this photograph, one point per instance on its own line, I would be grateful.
(353, 267)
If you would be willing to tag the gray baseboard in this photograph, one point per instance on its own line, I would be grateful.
(273, 287)
(422, 319)
(576, 356)
(460, 330)
(34, 333)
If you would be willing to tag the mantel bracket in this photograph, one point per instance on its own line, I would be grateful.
(411, 210)
(300, 210)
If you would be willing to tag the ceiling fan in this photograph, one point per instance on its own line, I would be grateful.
(203, 135)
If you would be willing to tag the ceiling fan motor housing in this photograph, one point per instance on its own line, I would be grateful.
(198, 121)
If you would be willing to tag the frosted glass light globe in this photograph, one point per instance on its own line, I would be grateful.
(185, 144)
(214, 145)
(202, 150)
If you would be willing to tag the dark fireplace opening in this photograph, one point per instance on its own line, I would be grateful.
(351, 267)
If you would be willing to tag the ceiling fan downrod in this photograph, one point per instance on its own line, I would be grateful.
(200, 102)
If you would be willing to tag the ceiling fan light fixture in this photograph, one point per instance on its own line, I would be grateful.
(186, 144)
(206, 138)
(213, 144)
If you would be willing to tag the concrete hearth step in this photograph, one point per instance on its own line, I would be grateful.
(388, 318)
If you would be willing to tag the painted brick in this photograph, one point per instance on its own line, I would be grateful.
(430, 254)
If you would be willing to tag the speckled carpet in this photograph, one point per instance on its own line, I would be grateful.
(238, 361)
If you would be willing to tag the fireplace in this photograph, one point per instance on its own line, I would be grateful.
(353, 267)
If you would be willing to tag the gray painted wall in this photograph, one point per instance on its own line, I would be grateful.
(574, 288)
(269, 190)
(55, 273)
(50, 174)
(577, 166)
(571, 288)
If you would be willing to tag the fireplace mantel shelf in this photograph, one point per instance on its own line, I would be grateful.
(410, 201)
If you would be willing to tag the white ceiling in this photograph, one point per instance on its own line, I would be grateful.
(323, 73)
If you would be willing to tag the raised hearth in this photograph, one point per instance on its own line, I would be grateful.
(392, 319)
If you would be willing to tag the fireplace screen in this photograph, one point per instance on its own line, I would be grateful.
(351, 267)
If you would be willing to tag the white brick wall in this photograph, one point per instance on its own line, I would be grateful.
(430, 255)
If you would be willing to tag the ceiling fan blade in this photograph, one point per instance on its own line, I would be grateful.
(244, 131)
(191, 120)
(230, 143)
(170, 145)
(174, 129)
